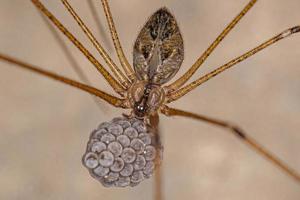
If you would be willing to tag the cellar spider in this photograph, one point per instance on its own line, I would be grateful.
(117, 81)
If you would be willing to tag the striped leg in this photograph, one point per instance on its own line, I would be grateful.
(235, 130)
(99, 24)
(123, 60)
(113, 83)
(114, 68)
(184, 90)
(184, 78)
(73, 63)
(117, 102)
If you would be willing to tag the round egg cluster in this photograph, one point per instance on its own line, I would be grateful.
(122, 152)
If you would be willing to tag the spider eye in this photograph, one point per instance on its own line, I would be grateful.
(140, 108)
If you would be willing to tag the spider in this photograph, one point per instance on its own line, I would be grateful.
(158, 54)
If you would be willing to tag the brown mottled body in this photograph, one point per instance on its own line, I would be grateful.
(157, 56)
(158, 49)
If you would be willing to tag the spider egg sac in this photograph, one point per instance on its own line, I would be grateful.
(122, 152)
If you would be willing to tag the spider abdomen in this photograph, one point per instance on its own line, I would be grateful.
(158, 50)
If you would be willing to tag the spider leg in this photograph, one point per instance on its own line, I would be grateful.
(158, 176)
(73, 63)
(116, 71)
(123, 60)
(66, 51)
(237, 131)
(117, 102)
(184, 78)
(99, 25)
(158, 189)
(184, 90)
(113, 83)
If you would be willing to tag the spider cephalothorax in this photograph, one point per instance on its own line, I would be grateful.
(145, 98)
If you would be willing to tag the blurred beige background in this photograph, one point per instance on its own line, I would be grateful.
(45, 125)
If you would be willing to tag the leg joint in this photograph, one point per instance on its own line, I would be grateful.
(237, 131)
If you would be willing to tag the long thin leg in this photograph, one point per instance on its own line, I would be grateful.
(99, 25)
(116, 71)
(114, 84)
(181, 92)
(158, 190)
(70, 58)
(73, 63)
(237, 132)
(123, 60)
(103, 95)
(184, 78)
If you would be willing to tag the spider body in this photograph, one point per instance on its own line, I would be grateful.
(157, 56)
